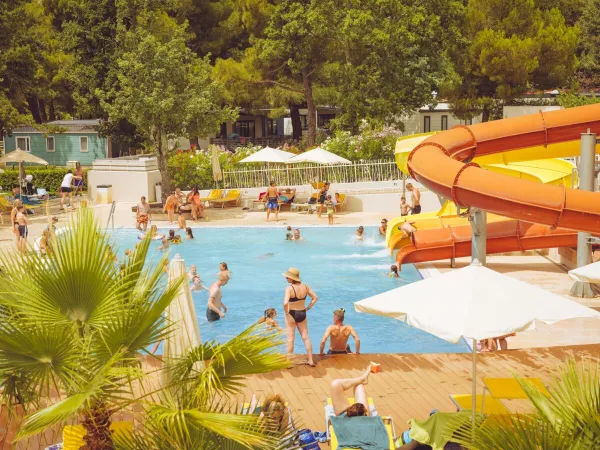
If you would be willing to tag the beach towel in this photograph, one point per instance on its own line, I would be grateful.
(438, 428)
(366, 433)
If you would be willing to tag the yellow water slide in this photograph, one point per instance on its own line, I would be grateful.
(541, 164)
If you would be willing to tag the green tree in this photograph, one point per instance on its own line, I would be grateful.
(165, 90)
(73, 327)
(510, 47)
(295, 50)
(33, 66)
(390, 57)
(590, 45)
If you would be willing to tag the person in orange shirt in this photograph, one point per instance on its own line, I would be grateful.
(170, 205)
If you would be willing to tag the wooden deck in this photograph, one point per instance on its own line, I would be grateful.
(409, 386)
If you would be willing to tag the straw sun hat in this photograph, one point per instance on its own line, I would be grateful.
(293, 274)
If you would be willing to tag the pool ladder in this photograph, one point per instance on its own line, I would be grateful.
(111, 215)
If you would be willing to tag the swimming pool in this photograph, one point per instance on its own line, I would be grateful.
(338, 269)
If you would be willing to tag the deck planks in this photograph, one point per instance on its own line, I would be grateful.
(409, 386)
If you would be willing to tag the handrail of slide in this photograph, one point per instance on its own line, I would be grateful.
(440, 163)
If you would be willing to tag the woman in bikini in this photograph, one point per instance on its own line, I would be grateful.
(294, 307)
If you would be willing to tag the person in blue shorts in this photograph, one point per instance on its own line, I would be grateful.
(272, 197)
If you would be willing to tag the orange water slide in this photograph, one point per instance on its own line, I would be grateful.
(439, 164)
(508, 236)
(442, 164)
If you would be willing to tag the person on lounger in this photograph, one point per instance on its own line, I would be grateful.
(340, 401)
(338, 335)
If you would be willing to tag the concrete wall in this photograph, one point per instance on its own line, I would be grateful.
(130, 179)
(515, 111)
(66, 147)
(415, 124)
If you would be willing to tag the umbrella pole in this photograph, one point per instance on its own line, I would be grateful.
(474, 387)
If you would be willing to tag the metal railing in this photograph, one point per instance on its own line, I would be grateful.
(232, 144)
(299, 174)
(111, 215)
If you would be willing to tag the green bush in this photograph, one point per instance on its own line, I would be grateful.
(48, 178)
(369, 145)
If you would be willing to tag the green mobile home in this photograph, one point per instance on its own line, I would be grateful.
(78, 142)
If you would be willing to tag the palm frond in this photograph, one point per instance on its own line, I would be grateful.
(253, 351)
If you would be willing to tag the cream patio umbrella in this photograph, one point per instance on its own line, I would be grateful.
(473, 303)
(216, 166)
(18, 156)
(181, 315)
(586, 274)
(268, 155)
(318, 156)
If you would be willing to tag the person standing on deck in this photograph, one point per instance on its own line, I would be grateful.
(272, 198)
(415, 199)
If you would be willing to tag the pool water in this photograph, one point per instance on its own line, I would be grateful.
(338, 269)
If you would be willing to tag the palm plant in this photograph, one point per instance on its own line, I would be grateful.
(567, 420)
(74, 326)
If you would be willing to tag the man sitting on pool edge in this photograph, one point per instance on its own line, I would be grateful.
(339, 334)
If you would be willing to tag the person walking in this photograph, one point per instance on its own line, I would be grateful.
(67, 189)
(143, 214)
(78, 182)
(294, 307)
(322, 198)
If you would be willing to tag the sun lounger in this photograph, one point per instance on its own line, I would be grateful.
(492, 405)
(73, 434)
(329, 413)
(231, 199)
(308, 206)
(214, 194)
(510, 389)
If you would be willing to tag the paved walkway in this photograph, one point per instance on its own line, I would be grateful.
(409, 386)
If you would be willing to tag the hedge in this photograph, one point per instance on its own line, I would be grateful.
(48, 178)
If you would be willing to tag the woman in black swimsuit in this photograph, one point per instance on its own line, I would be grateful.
(322, 197)
(295, 309)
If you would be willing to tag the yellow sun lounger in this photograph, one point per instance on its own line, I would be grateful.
(73, 434)
(233, 196)
(509, 388)
(214, 194)
(333, 442)
(492, 405)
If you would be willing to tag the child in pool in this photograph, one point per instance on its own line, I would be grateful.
(174, 238)
(188, 232)
(359, 234)
(289, 236)
(197, 284)
(181, 220)
(269, 319)
(394, 272)
(165, 244)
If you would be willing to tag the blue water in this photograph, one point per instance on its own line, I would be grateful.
(339, 270)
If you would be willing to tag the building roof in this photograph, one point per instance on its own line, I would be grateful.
(72, 126)
(439, 107)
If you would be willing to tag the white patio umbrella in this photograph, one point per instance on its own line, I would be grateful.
(586, 274)
(268, 155)
(473, 303)
(318, 156)
(181, 314)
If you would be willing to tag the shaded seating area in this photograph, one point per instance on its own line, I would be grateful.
(214, 194)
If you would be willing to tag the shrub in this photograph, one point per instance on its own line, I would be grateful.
(47, 177)
(369, 145)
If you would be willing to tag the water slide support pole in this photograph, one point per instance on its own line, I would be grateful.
(587, 162)
(478, 219)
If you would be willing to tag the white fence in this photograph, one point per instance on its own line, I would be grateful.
(299, 174)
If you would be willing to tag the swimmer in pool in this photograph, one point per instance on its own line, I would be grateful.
(393, 272)
(266, 255)
(269, 319)
(359, 234)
